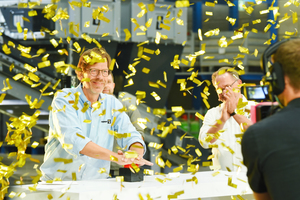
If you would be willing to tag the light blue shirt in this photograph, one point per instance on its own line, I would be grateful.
(67, 128)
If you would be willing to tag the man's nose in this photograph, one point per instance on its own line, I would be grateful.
(100, 75)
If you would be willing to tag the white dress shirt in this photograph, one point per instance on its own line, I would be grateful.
(228, 138)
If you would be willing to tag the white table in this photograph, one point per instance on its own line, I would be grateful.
(209, 187)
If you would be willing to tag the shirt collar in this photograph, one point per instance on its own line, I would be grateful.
(82, 97)
(294, 103)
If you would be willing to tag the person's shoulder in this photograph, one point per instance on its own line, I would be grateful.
(108, 97)
(264, 126)
(216, 108)
(65, 93)
(111, 99)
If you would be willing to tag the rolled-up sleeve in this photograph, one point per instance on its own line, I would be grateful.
(65, 123)
(208, 122)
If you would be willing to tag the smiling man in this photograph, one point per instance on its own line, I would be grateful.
(83, 123)
(222, 124)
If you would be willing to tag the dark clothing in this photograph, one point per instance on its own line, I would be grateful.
(271, 152)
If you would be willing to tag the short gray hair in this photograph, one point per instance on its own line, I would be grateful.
(223, 70)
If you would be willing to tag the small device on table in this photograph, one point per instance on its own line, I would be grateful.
(130, 176)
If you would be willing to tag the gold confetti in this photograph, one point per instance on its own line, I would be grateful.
(120, 178)
(155, 95)
(102, 170)
(249, 9)
(174, 149)
(19, 28)
(56, 84)
(145, 70)
(177, 169)
(295, 17)
(179, 22)
(182, 3)
(74, 176)
(231, 20)
(243, 49)
(148, 172)
(112, 64)
(49, 196)
(131, 154)
(209, 13)
(209, 4)
(142, 43)
(67, 146)
(45, 87)
(215, 173)
(128, 34)
(284, 18)
(32, 13)
(135, 167)
(2, 96)
(54, 42)
(34, 144)
(77, 46)
(206, 164)
(87, 121)
(230, 183)
(143, 10)
(6, 49)
(256, 21)
(112, 158)
(149, 22)
(194, 169)
(8, 87)
(44, 64)
(80, 136)
(35, 160)
(159, 180)
(267, 28)
(193, 179)
(165, 76)
(263, 12)
(180, 148)
(198, 152)
(164, 27)
(64, 160)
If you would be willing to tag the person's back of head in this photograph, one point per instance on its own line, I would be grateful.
(288, 55)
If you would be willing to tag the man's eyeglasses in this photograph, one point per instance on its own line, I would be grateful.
(220, 90)
(95, 72)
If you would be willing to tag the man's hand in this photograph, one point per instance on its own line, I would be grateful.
(225, 114)
(122, 160)
(231, 99)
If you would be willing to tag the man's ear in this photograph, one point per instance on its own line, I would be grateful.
(287, 81)
(239, 81)
(80, 76)
(114, 85)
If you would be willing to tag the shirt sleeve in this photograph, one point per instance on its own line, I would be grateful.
(209, 120)
(251, 161)
(66, 126)
(133, 116)
(124, 125)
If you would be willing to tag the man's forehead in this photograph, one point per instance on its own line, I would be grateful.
(223, 82)
(99, 65)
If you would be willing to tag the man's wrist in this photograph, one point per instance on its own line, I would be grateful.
(232, 114)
